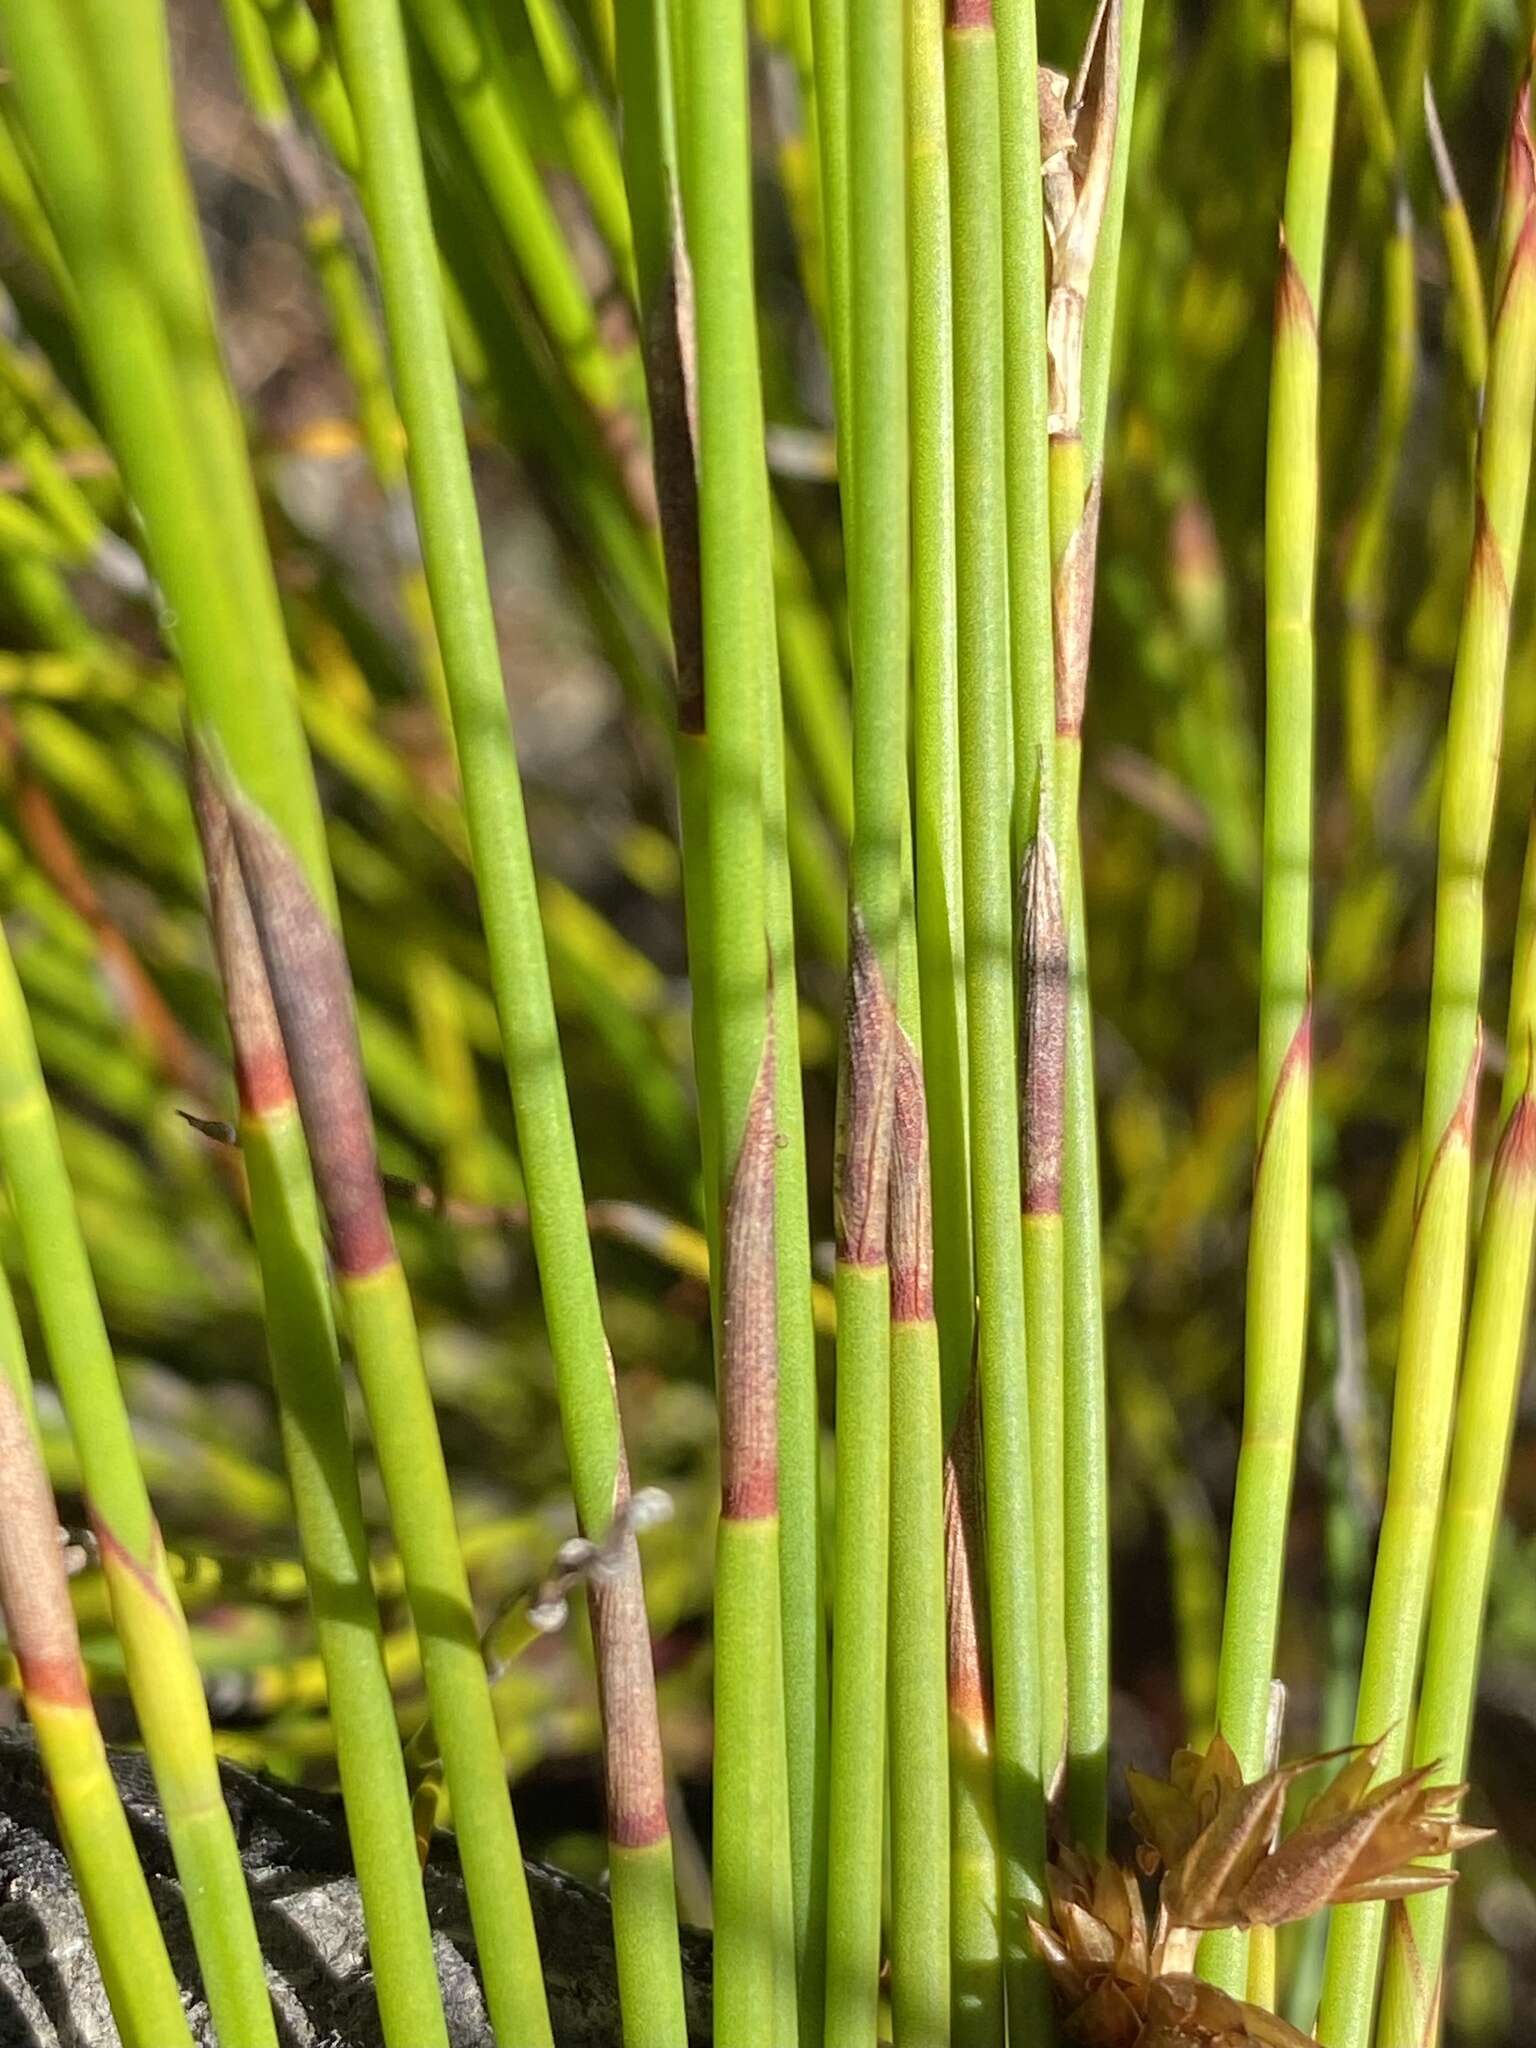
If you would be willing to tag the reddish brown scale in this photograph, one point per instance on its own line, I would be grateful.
(911, 1208)
(633, 1778)
(970, 14)
(749, 1373)
(1459, 1130)
(115, 1555)
(1042, 1030)
(1485, 573)
(1516, 1156)
(964, 1571)
(1298, 1059)
(261, 1065)
(34, 1586)
(311, 987)
(1293, 302)
(866, 1086)
(1072, 610)
(634, 1781)
(1520, 166)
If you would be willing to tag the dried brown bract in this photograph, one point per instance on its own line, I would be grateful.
(1217, 1843)
(1106, 1974)
(1077, 146)
(1217, 1839)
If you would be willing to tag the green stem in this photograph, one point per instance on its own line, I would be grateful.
(162, 1674)
(374, 61)
(985, 720)
(1278, 1236)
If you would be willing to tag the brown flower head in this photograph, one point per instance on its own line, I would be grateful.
(1217, 1838)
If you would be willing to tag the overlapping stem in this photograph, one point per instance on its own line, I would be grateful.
(1485, 1418)
(317, 1445)
(985, 717)
(1278, 1235)
(162, 1672)
(311, 993)
(45, 1641)
(938, 906)
(1429, 1345)
(374, 62)
(876, 538)
(1077, 191)
(472, 72)
(1026, 512)
(755, 1990)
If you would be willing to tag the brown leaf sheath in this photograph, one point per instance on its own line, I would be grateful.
(1072, 609)
(672, 380)
(34, 1586)
(911, 1210)
(965, 1574)
(312, 991)
(965, 14)
(634, 1780)
(749, 1402)
(866, 1087)
(1042, 1029)
(261, 1065)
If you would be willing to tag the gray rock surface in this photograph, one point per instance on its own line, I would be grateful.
(294, 1847)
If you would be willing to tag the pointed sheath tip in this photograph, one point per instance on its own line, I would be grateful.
(1522, 262)
(311, 990)
(964, 1574)
(1487, 556)
(1520, 159)
(749, 1378)
(1516, 1157)
(864, 1105)
(1457, 1135)
(262, 1077)
(1293, 302)
(1043, 1029)
(911, 1216)
(1295, 1067)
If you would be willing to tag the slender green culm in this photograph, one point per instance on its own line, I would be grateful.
(1278, 1234)
(44, 1639)
(162, 1674)
(1077, 186)
(938, 902)
(374, 62)
(1485, 1421)
(875, 525)
(317, 1444)
(1429, 1346)
(985, 721)
(755, 1989)
(1026, 509)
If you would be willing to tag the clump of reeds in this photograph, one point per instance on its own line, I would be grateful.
(911, 1679)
